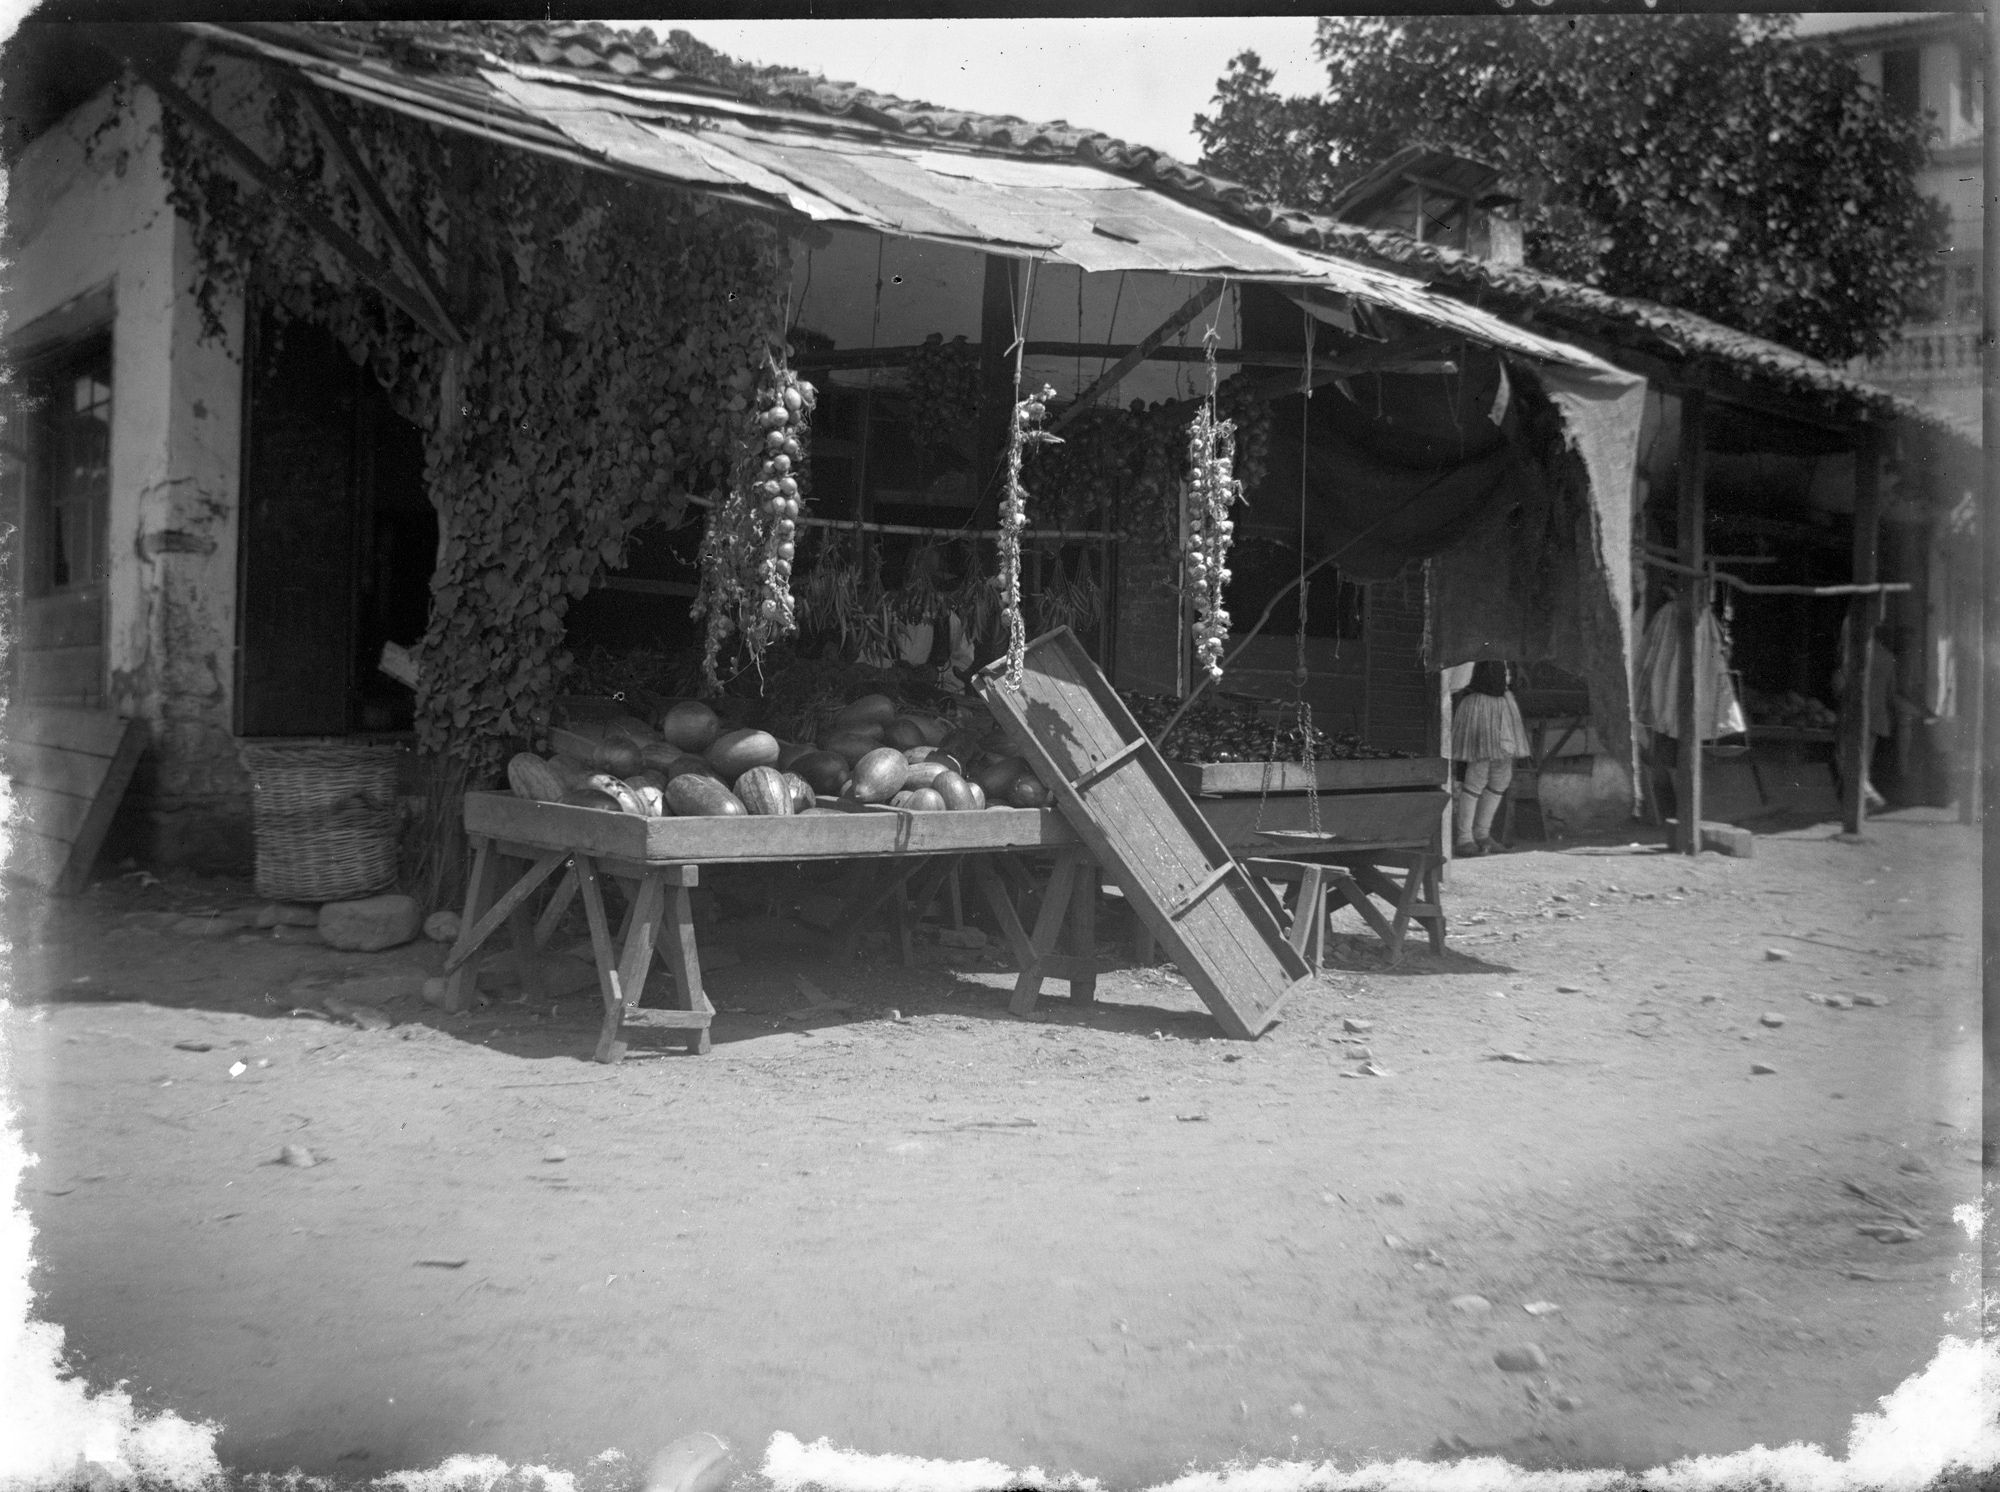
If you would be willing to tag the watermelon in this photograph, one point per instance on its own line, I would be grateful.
(870, 709)
(851, 745)
(626, 796)
(658, 756)
(924, 800)
(572, 772)
(879, 775)
(803, 796)
(954, 790)
(697, 796)
(590, 797)
(826, 771)
(978, 795)
(997, 776)
(736, 752)
(924, 774)
(902, 799)
(764, 792)
(531, 777)
(1028, 792)
(690, 725)
(789, 752)
(680, 766)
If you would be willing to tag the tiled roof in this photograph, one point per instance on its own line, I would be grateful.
(1556, 305)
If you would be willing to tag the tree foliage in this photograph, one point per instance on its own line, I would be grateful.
(612, 331)
(1711, 162)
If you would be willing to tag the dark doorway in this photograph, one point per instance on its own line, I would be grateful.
(338, 541)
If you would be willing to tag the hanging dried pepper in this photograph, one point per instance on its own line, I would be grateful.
(748, 546)
(1023, 431)
(1212, 490)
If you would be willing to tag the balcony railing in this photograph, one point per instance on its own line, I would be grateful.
(1943, 354)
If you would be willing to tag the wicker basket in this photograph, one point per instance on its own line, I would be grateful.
(327, 819)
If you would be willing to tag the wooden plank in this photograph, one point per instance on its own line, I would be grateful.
(1142, 826)
(1329, 776)
(482, 886)
(543, 867)
(1856, 731)
(103, 808)
(56, 815)
(1692, 600)
(1201, 300)
(1055, 907)
(1082, 936)
(557, 908)
(62, 674)
(1389, 818)
(684, 963)
(93, 732)
(74, 772)
(642, 930)
(1208, 883)
(818, 834)
(1109, 765)
(609, 1047)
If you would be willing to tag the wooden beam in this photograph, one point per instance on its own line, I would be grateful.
(415, 264)
(1856, 730)
(1692, 601)
(287, 193)
(1116, 373)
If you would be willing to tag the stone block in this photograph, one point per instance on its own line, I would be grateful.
(371, 923)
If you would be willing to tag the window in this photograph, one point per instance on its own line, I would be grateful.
(67, 429)
(1971, 91)
(1901, 75)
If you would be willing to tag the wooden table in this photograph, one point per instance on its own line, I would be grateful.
(658, 860)
(1382, 822)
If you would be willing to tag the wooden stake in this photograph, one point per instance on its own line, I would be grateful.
(1693, 601)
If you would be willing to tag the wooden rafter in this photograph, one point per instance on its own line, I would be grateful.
(365, 264)
(408, 250)
(1116, 373)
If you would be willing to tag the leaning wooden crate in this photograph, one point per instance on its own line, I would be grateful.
(326, 818)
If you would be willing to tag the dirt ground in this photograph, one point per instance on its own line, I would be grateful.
(1101, 1239)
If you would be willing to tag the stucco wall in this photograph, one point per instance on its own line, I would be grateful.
(88, 206)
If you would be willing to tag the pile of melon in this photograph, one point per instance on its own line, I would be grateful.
(690, 766)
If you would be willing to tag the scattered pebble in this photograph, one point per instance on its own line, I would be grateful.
(299, 1156)
(1869, 1000)
(1471, 1305)
(1886, 1233)
(1569, 989)
(1367, 1070)
(555, 1154)
(1839, 1002)
(1916, 1165)
(442, 927)
(1771, 1018)
(442, 1263)
(194, 1046)
(1777, 955)
(1297, 1411)
(1569, 1403)
(1761, 1069)
(1524, 1359)
(1540, 1307)
(237, 1069)
(1355, 1027)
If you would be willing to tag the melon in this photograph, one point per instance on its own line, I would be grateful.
(695, 795)
(735, 752)
(789, 752)
(690, 725)
(626, 796)
(1028, 792)
(903, 733)
(658, 756)
(879, 775)
(919, 754)
(978, 795)
(997, 776)
(680, 766)
(648, 778)
(954, 790)
(590, 797)
(803, 796)
(825, 771)
(934, 729)
(531, 777)
(924, 774)
(850, 745)
(924, 800)
(655, 801)
(870, 709)
(902, 799)
(764, 792)
(572, 772)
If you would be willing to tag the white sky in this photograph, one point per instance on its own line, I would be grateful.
(1140, 80)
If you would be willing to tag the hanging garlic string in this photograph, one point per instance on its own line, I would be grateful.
(1212, 490)
(1023, 430)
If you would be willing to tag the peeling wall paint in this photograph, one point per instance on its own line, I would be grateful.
(90, 208)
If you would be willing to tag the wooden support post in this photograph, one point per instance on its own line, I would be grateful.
(1693, 601)
(1200, 301)
(1857, 731)
(481, 891)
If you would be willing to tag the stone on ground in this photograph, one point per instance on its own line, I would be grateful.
(441, 927)
(286, 914)
(1527, 1358)
(371, 923)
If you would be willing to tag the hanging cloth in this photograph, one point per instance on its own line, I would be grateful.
(1717, 710)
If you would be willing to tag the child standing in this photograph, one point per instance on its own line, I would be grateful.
(1487, 735)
